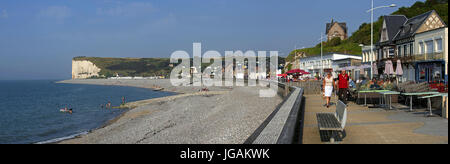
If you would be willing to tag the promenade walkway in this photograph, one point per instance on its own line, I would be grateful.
(377, 126)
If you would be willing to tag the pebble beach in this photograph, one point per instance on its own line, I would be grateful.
(223, 115)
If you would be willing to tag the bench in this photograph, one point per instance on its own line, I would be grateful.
(333, 124)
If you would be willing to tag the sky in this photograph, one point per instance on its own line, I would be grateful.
(38, 39)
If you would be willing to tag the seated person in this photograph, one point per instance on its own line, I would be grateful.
(374, 84)
(351, 83)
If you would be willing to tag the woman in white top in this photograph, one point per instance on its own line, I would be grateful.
(328, 88)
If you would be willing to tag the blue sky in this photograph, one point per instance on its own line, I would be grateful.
(38, 39)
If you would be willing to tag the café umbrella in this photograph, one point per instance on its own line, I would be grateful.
(304, 72)
(399, 70)
(294, 71)
(388, 68)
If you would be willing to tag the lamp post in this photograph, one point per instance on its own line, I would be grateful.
(321, 53)
(371, 34)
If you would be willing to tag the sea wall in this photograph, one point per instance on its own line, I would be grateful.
(84, 69)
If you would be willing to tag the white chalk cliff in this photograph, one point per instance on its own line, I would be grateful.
(84, 69)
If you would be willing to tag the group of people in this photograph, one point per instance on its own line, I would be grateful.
(109, 105)
(341, 84)
(66, 110)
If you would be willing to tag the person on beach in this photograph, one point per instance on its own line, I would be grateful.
(123, 100)
(328, 88)
(343, 86)
(108, 106)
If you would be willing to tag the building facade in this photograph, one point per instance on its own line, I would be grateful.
(336, 30)
(420, 43)
(317, 65)
(368, 58)
(431, 58)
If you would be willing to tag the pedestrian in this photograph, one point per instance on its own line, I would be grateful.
(328, 83)
(123, 100)
(343, 86)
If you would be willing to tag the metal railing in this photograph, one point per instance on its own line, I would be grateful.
(429, 56)
(309, 87)
(418, 57)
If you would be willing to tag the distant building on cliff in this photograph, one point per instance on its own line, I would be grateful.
(336, 29)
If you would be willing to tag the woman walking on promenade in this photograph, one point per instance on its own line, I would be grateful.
(328, 88)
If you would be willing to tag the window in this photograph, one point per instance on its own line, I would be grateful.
(399, 52)
(411, 49)
(421, 48)
(384, 35)
(391, 52)
(405, 50)
(439, 45)
(430, 47)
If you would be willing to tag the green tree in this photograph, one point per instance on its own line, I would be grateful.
(334, 42)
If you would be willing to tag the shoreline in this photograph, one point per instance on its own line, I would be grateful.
(156, 108)
(115, 119)
(107, 123)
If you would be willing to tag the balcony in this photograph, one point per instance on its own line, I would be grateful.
(429, 56)
(417, 57)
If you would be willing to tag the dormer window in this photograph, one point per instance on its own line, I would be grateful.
(411, 28)
(384, 35)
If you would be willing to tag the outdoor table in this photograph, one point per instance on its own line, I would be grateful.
(388, 93)
(429, 101)
(369, 91)
(416, 94)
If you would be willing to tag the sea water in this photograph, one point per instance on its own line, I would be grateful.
(30, 110)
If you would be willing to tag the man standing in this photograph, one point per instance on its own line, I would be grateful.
(343, 86)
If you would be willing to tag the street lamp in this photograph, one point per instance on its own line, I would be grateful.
(321, 52)
(371, 35)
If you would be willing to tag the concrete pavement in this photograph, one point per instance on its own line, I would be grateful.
(377, 126)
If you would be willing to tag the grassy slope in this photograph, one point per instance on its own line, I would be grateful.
(130, 66)
(137, 67)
